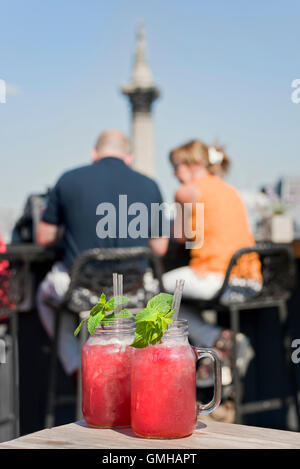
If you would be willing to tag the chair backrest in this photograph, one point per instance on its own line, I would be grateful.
(278, 269)
(91, 274)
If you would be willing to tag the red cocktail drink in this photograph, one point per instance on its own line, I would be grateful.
(164, 391)
(106, 370)
(163, 385)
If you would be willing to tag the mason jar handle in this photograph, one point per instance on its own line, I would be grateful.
(214, 403)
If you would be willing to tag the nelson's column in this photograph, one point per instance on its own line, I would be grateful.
(141, 92)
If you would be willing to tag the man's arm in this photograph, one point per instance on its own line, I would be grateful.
(48, 230)
(47, 234)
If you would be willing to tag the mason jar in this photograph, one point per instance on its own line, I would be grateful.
(163, 385)
(106, 369)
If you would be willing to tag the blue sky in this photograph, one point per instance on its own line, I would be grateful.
(224, 69)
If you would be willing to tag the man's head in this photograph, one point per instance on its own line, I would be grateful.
(112, 143)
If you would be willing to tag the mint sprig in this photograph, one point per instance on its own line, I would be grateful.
(98, 312)
(153, 321)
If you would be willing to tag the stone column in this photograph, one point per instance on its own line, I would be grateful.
(141, 93)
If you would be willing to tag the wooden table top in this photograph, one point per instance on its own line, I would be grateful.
(208, 435)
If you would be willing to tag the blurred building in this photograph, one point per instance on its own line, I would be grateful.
(8, 217)
(284, 195)
(257, 205)
(142, 92)
(288, 189)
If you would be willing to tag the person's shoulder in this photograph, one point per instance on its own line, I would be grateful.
(187, 193)
(233, 191)
(143, 179)
(146, 187)
(74, 173)
(216, 181)
(229, 186)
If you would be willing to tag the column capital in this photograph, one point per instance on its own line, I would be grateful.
(141, 99)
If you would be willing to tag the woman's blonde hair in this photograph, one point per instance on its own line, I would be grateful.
(213, 158)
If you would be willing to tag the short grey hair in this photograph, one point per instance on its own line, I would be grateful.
(114, 140)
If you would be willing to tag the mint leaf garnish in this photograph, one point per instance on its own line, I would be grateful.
(116, 301)
(146, 315)
(161, 303)
(77, 330)
(96, 309)
(153, 321)
(98, 312)
(164, 323)
(102, 300)
(94, 321)
(141, 335)
(123, 314)
(155, 333)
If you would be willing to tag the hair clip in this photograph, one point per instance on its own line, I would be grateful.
(215, 156)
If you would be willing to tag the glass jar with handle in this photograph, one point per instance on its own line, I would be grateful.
(163, 385)
(106, 369)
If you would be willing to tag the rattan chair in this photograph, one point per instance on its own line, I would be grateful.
(279, 275)
(12, 282)
(91, 274)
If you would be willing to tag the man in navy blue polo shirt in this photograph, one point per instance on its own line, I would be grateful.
(88, 208)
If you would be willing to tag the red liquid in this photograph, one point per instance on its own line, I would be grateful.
(163, 391)
(106, 385)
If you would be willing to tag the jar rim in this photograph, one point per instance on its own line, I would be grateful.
(178, 327)
(115, 325)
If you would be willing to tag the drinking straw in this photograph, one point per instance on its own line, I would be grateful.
(115, 284)
(120, 284)
(177, 298)
(174, 295)
(120, 293)
(117, 290)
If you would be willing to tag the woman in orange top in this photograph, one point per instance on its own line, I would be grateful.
(226, 228)
(200, 170)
